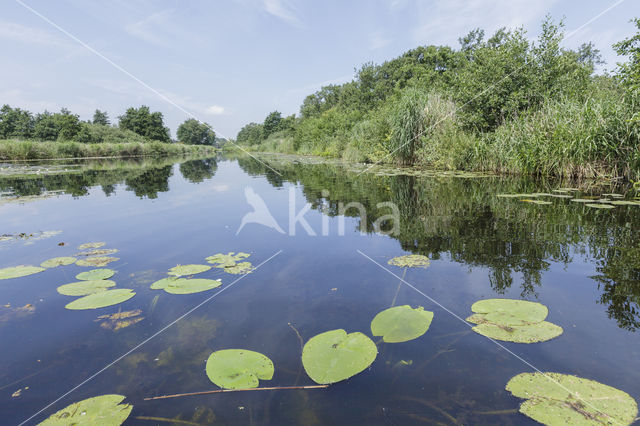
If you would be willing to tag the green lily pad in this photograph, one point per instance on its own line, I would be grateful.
(540, 202)
(555, 399)
(104, 410)
(96, 261)
(102, 299)
(221, 260)
(625, 203)
(161, 284)
(599, 206)
(334, 355)
(182, 270)
(401, 323)
(95, 274)
(410, 261)
(189, 286)
(84, 288)
(510, 311)
(19, 271)
(529, 333)
(58, 261)
(512, 195)
(239, 268)
(98, 252)
(88, 246)
(238, 368)
(582, 200)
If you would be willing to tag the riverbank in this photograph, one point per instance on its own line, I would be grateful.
(11, 150)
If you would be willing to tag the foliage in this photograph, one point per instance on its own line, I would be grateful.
(101, 118)
(145, 123)
(238, 368)
(107, 410)
(629, 73)
(193, 132)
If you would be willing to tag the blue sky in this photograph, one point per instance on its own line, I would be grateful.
(231, 62)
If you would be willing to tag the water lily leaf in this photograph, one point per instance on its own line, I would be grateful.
(529, 333)
(512, 195)
(120, 320)
(19, 271)
(84, 288)
(553, 398)
(96, 261)
(625, 203)
(410, 261)
(88, 246)
(221, 260)
(238, 368)
(510, 311)
(401, 323)
(582, 200)
(98, 252)
(182, 270)
(239, 268)
(58, 261)
(105, 410)
(189, 286)
(334, 355)
(161, 284)
(96, 274)
(599, 206)
(102, 299)
(540, 202)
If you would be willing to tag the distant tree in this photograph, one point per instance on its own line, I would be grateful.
(145, 123)
(629, 72)
(193, 132)
(15, 122)
(68, 124)
(101, 117)
(271, 124)
(46, 128)
(251, 134)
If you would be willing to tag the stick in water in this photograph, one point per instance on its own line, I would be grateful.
(237, 390)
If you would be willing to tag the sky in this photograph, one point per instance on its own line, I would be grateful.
(231, 62)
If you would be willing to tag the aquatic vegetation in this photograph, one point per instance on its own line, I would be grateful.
(189, 286)
(625, 203)
(58, 261)
(553, 398)
(334, 355)
(7, 313)
(96, 261)
(87, 246)
(401, 323)
(511, 320)
(221, 260)
(599, 206)
(161, 284)
(101, 299)
(238, 368)
(582, 200)
(120, 320)
(29, 238)
(106, 410)
(84, 288)
(410, 261)
(239, 268)
(96, 274)
(182, 270)
(19, 271)
(540, 202)
(98, 252)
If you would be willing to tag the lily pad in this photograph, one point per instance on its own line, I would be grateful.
(19, 271)
(96, 261)
(182, 270)
(84, 288)
(221, 260)
(58, 261)
(510, 311)
(410, 261)
(600, 206)
(98, 252)
(553, 398)
(88, 246)
(625, 203)
(161, 284)
(529, 333)
(540, 202)
(96, 274)
(102, 299)
(189, 286)
(401, 323)
(238, 368)
(582, 200)
(105, 410)
(239, 268)
(334, 355)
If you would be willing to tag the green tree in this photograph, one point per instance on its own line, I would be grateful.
(15, 122)
(629, 72)
(68, 124)
(45, 127)
(271, 124)
(251, 134)
(101, 117)
(145, 123)
(193, 132)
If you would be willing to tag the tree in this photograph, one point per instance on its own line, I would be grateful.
(145, 123)
(68, 124)
(271, 124)
(193, 132)
(15, 122)
(46, 128)
(251, 134)
(101, 117)
(629, 73)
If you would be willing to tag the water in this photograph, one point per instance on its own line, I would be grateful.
(582, 263)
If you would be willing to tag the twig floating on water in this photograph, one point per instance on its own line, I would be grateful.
(237, 390)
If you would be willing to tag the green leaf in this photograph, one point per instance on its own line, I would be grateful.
(161, 284)
(104, 410)
(221, 260)
(600, 206)
(411, 261)
(96, 261)
(19, 271)
(554, 398)
(58, 261)
(530, 333)
(334, 355)
(182, 270)
(401, 323)
(189, 286)
(238, 368)
(96, 274)
(84, 288)
(88, 246)
(98, 252)
(102, 299)
(239, 268)
(510, 311)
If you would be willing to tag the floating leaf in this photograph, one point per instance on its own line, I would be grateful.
(238, 368)
(58, 261)
(102, 299)
(600, 206)
(182, 270)
(510, 311)
(189, 286)
(512, 195)
(401, 323)
(334, 355)
(553, 398)
(120, 320)
(98, 252)
(239, 268)
(529, 333)
(541, 202)
(582, 200)
(88, 246)
(221, 260)
(410, 261)
(95, 274)
(161, 284)
(84, 288)
(625, 203)
(19, 271)
(96, 261)
(104, 410)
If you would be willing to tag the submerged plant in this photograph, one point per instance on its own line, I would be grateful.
(401, 323)
(58, 261)
(120, 320)
(101, 299)
(238, 368)
(411, 261)
(105, 410)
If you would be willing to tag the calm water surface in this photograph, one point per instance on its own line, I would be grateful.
(583, 263)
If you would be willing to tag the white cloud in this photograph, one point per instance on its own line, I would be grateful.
(377, 41)
(282, 11)
(215, 110)
(29, 35)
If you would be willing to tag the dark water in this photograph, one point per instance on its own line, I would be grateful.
(583, 263)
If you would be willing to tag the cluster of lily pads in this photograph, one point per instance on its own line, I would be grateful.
(95, 290)
(603, 201)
